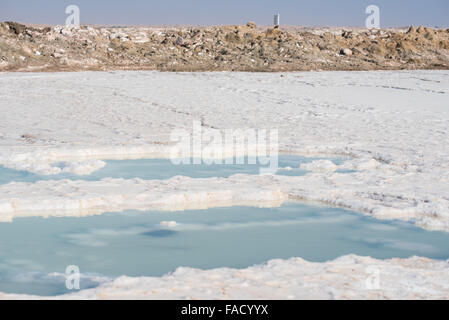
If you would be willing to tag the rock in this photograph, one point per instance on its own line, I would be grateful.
(251, 25)
(375, 49)
(411, 30)
(179, 41)
(406, 46)
(346, 52)
(119, 35)
(347, 34)
(15, 27)
(357, 51)
(428, 35)
(272, 32)
(126, 45)
(232, 37)
(421, 29)
(56, 55)
(66, 32)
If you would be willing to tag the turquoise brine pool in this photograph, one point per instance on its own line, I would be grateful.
(148, 169)
(150, 244)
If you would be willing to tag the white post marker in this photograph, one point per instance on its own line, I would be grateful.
(277, 20)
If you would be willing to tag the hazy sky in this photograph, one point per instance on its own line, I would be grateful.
(217, 12)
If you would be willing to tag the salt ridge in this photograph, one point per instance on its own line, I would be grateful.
(348, 277)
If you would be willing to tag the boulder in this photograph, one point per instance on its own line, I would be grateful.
(15, 27)
(346, 52)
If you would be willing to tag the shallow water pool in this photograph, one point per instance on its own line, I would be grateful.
(151, 244)
(164, 169)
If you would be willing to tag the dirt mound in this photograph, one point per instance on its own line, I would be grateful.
(233, 48)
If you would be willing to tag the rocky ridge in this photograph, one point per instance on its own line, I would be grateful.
(220, 48)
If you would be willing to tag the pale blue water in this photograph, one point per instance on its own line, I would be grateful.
(134, 244)
(161, 169)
